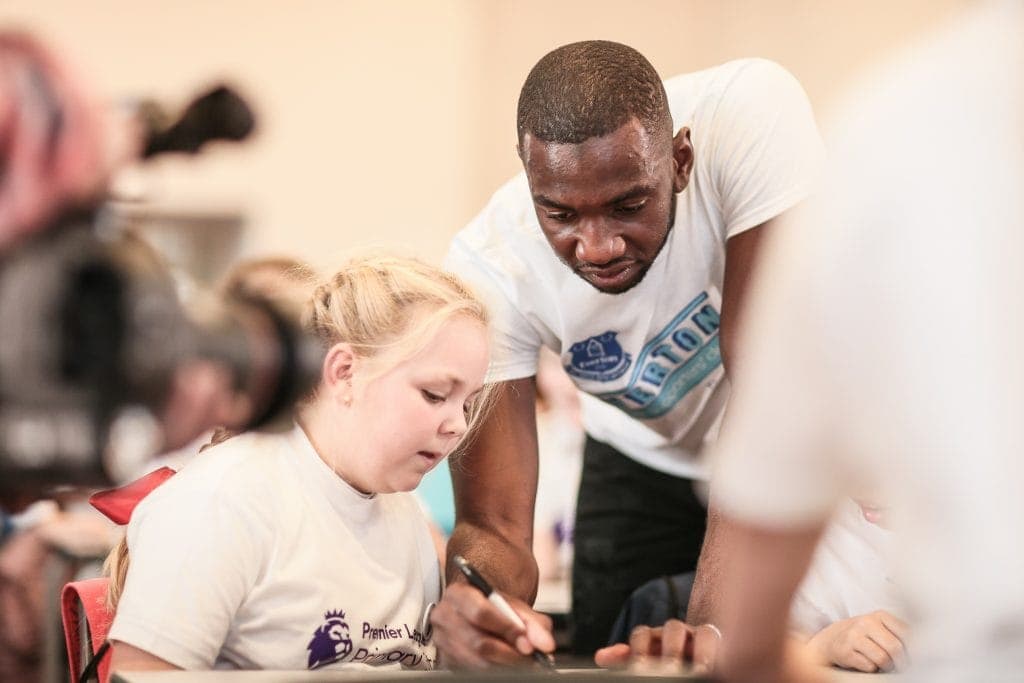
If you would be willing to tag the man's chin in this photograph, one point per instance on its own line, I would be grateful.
(616, 288)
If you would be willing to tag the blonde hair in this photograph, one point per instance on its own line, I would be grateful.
(116, 568)
(387, 308)
(283, 281)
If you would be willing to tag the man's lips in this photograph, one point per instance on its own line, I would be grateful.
(608, 273)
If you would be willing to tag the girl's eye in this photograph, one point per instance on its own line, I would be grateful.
(431, 397)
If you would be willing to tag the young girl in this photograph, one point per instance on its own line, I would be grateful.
(302, 549)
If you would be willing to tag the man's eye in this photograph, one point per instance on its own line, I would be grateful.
(630, 208)
(431, 397)
(559, 216)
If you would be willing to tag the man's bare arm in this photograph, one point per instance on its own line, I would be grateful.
(495, 485)
(705, 596)
(741, 257)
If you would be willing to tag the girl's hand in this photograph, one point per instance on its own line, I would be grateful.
(869, 642)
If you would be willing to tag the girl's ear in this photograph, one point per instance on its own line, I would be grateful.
(336, 375)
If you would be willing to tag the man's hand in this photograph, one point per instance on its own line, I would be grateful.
(664, 647)
(470, 632)
(869, 642)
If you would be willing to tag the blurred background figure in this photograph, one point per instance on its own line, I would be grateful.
(54, 137)
(287, 284)
(92, 333)
(887, 365)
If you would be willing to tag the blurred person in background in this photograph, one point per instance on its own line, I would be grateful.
(56, 140)
(284, 282)
(889, 322)
(58, 149)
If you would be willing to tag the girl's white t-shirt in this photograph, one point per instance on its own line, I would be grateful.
(258, 556)
(849, 575)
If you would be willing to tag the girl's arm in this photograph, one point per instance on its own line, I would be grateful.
(868, 642)
(125, 657)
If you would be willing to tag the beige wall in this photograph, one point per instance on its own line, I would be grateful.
(391, 121)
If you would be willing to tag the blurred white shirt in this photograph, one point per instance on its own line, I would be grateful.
(883, 351)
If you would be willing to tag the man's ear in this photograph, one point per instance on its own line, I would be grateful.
(336, 373)
(682, 159)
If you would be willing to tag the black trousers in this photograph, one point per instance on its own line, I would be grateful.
(633, 524)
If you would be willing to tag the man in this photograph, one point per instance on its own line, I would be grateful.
(887, 364)
(626, 248)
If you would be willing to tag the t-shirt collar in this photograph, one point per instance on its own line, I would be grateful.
(318, 474)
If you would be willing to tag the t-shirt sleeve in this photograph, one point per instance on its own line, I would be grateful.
(193, 559)
(514, 340)
(764, 147)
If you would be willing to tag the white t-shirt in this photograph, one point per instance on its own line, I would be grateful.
(647, 361)
(849, 575)
(889, 325)
(258, 556)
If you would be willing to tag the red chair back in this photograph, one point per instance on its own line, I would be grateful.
(83, 607)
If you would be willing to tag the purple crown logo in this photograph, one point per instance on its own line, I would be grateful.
(331, 641)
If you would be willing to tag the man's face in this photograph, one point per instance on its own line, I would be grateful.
(606, 204)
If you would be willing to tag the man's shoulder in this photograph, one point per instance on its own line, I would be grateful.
(688, 93)
(504, 239)
(720, 75)
(508, 214)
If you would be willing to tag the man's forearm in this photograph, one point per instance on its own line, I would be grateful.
(509, 566)
(705, 596)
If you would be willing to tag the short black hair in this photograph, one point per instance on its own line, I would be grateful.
(590, 89)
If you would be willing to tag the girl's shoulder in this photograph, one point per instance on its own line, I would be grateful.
(247, 471)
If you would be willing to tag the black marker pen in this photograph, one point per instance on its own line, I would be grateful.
(478, 582)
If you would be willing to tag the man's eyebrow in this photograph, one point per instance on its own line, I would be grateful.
(631, 193)
(550, 203)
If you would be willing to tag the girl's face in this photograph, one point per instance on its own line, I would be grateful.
(405, 421)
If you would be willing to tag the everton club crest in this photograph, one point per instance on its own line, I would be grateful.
(599, 358)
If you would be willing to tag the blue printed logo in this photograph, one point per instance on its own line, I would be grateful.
(680, 357)
(331, 641)
(599, 358)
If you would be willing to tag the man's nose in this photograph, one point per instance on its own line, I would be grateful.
(597, 244)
